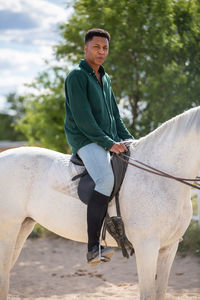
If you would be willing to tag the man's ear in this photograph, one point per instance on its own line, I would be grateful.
(85, 48)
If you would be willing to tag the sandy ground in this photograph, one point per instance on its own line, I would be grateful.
(55, 268)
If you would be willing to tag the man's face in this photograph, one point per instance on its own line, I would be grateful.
(96, 50)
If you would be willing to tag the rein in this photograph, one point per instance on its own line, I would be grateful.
(155, 171)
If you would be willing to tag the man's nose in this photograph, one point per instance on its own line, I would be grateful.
(101, 51)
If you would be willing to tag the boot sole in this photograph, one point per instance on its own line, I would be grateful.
(94, 262)
(105, 257)
(107, 254)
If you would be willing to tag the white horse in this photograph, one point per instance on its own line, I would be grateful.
(35, 186)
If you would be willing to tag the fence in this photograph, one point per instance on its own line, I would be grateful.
(196, 193)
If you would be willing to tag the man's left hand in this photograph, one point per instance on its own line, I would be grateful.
(118, 148)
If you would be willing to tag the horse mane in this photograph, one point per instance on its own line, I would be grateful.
(176, 126)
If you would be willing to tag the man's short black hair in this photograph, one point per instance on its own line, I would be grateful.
(96, 32)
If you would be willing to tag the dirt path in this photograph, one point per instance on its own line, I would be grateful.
(56, 269)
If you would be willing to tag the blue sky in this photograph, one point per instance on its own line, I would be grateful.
(27, 34)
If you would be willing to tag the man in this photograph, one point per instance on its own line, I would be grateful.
(94, 128)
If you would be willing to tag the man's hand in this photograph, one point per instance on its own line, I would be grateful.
(118, 148)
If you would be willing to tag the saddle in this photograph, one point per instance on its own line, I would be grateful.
(114, 225)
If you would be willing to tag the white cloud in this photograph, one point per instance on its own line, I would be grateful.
(40, 10)
(22, 68)
(12, 84)
(19, 59)
(23, 50)
(46, 16)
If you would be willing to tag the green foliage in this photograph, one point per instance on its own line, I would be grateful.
(16, 105)
(8, 121)
(195, 205)
(43, 121)
(40, 231)
(191, 240)
(154, 53)
(7, 131)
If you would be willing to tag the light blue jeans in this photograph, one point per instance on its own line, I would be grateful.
(98, 164)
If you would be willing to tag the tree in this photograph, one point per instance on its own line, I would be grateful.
(16, 105)
(43, 121)
(7, 131)
(153, 43)
(8, 120)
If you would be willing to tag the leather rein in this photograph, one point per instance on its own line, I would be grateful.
(155, 171)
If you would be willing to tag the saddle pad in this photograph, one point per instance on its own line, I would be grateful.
(61, 173)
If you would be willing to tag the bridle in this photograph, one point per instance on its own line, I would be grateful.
(155, 171)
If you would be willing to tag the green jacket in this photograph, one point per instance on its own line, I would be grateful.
(92, 115)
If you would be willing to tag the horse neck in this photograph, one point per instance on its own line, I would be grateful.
(173, 148)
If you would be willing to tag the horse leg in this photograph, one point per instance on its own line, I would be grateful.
(165, 260)
(146, 257)
(8, 235)
(26, 228)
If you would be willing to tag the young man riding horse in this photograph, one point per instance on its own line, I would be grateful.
(94, 128)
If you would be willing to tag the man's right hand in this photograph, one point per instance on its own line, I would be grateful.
(118, 148)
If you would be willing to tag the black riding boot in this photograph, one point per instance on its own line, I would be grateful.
(97, 208)
(96, 211)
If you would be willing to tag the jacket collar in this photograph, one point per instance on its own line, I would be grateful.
(83, 64)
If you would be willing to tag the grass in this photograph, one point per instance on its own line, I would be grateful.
(40, 231)
(191, 238)
(195, 205)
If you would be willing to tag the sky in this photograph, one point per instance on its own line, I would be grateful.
(28, 31)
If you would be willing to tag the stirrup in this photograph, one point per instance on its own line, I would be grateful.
(103, 258)
(99, 255)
